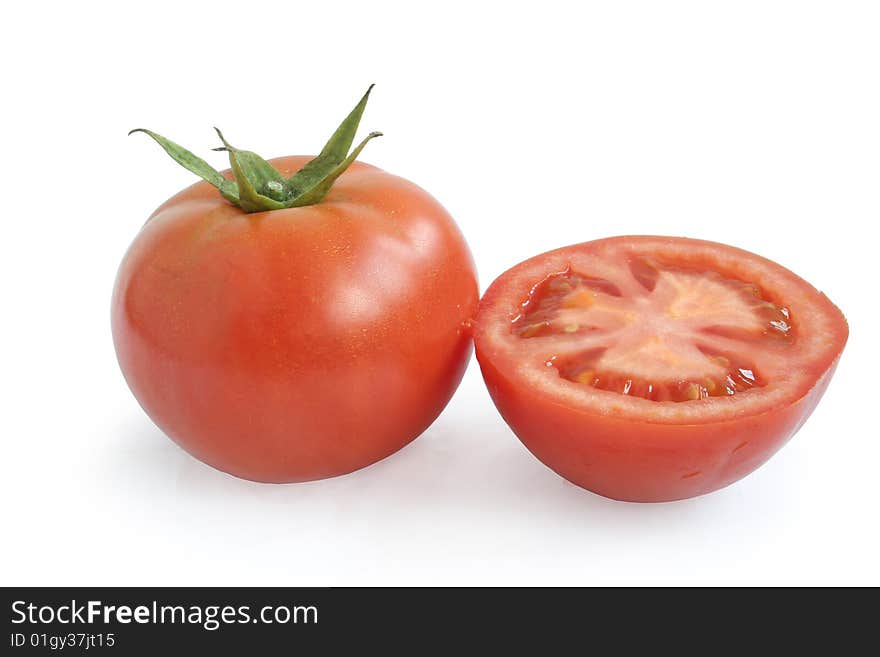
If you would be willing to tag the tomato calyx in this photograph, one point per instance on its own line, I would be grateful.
(257, 186)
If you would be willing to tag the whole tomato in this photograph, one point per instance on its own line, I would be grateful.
(294, 319)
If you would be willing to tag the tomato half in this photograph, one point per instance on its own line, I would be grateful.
(655, 368)
(299, 343)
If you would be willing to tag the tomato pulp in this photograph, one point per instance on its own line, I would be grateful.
(299, 343)
(655, 368)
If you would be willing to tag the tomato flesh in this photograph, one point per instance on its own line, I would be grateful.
(598, 352)
(660, 345)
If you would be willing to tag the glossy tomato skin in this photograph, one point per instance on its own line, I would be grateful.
(621, 454)
(645, 462)
(296, 344)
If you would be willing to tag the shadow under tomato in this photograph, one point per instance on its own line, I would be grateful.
(467, 468)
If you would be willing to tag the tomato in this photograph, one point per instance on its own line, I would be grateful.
(654, 368)
(302, 342)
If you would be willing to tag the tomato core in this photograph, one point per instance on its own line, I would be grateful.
(685, 338)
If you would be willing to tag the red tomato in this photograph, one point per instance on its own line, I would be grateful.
(299, 343)
(654, 368)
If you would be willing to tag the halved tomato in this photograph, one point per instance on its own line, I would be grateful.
(655, 368)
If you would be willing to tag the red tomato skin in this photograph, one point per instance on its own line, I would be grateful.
(645, 462)
(297, 344)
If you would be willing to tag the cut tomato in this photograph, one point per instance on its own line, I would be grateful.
(655, 368)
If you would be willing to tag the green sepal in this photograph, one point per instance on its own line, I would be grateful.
(319, 191)
(258, 186)
(195, 164)
(334, 152)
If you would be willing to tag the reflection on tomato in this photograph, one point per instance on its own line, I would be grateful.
(653, 368)
(298, 343)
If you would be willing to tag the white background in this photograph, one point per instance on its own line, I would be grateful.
(537, 125)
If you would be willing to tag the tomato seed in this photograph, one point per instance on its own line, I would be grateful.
(680, 306)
